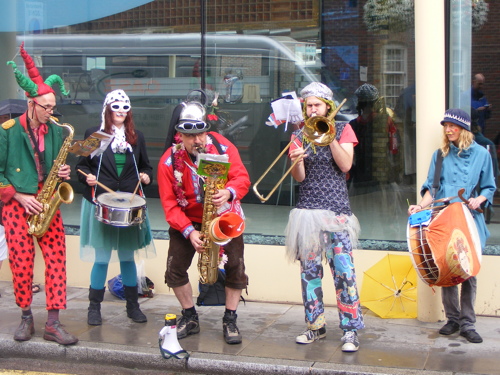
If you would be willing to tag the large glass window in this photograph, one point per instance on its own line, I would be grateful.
(470, 28)
(253, 52)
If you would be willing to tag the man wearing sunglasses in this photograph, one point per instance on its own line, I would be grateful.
(182, 197)
(29, 145)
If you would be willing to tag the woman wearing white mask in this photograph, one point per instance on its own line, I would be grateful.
(120, 168)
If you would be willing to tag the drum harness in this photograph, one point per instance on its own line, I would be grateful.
(94, 199)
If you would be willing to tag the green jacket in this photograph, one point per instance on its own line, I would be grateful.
(17, 158)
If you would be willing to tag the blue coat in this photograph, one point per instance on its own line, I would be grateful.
(469, 169)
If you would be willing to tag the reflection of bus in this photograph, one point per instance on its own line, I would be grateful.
(158, 70)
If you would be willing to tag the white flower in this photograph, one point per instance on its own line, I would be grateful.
(178, 176)
(222, 260)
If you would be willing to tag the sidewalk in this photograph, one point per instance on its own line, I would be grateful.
(398, 346)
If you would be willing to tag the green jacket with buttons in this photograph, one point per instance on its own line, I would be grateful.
(17, 158)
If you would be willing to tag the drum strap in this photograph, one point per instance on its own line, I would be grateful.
(437, 173)
(99, 171)
(97, 178)
(138, 176)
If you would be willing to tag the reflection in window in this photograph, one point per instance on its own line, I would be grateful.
(395, 73)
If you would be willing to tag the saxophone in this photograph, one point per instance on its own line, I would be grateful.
(39, 223)
(215, 231)
(208, 260)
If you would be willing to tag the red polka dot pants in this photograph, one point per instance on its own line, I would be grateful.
(22, 257)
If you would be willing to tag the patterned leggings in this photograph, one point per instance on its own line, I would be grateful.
(22, 257)
(339, 256)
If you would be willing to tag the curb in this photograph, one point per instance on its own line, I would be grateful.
(199, 363)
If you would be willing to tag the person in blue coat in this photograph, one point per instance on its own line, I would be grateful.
(466, 164)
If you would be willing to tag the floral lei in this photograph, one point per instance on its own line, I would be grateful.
(180, 155)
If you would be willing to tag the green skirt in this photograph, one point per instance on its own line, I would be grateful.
(103, 242)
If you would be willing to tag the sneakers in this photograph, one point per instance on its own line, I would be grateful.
(449, 328)
(472, 336)
(231, 332)
(351, 341)
(57, 333)
(311, 335)
(187, 325)
(25, 329)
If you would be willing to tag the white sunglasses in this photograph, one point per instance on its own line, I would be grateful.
(120, 107)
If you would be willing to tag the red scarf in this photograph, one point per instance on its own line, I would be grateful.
(39, 132)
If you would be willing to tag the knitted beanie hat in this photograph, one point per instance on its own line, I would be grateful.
(458, 117)
(366, 93)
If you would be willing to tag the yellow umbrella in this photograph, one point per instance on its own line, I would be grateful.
(390, 288)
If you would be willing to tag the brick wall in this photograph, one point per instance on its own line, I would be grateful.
(485, 60)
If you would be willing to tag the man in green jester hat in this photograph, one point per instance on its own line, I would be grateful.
(29, 146)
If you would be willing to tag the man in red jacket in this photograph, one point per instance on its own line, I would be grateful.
(182, 197)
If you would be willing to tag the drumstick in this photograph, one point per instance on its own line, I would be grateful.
(135, 191)
(465, 200)
(98, 183)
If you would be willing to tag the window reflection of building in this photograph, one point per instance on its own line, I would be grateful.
(378, 159)
(395, 72)
(336, 31)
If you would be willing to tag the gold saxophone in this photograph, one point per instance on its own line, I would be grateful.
(39, 223)
(208, 260)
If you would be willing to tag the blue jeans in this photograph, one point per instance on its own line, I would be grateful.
(461, 312)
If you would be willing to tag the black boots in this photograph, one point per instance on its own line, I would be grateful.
(133, 310)
(95, 297)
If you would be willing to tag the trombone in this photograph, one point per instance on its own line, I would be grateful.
(319, 130)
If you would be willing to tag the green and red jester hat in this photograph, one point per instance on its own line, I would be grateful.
(34, 85)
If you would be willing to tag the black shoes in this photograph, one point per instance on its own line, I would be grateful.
(231, 332)
(133, 308)
(472, 336)
(449, 328)
(94, 315)
(187, 325)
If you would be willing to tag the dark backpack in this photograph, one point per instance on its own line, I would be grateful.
(215, 294)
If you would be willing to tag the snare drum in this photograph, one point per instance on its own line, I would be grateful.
(446, 251)
(120, 209)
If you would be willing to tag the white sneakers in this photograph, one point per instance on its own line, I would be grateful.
(350, 339)
(311, 335)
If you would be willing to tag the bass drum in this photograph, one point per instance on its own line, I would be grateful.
(446, 251)
(120, 209)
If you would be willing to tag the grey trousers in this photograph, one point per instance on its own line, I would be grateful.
(461, 311)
